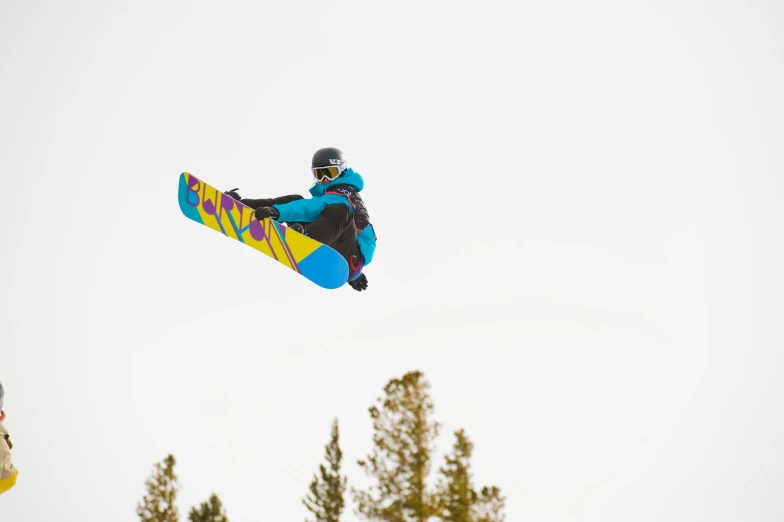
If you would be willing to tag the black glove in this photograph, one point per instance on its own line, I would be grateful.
(233, 194)
(359, 283)
(267, 212)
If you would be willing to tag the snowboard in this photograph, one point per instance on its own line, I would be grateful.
(209, 206)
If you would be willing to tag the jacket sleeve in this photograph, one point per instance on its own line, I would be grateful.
(367, 243)
(306, 210)
(8, 472)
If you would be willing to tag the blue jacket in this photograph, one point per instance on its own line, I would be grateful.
(306, 210)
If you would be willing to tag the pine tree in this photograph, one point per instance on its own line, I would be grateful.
(489, 506)
(325, 500)
(456, 494)
(210, 511)
(158, 504)
(400, 461)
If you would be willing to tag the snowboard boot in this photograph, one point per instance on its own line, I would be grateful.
(299, 227)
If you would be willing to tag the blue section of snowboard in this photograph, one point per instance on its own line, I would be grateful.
(190, 211)
(323, 267)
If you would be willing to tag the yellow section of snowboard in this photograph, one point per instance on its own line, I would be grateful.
(233, 219)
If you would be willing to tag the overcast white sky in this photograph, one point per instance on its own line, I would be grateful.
(580, 243)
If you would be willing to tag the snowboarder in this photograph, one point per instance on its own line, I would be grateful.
(335, 216)
(8, 472)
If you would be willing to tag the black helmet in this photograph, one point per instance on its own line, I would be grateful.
(327, 157)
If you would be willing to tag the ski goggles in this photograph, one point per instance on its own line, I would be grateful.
(328, 173)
